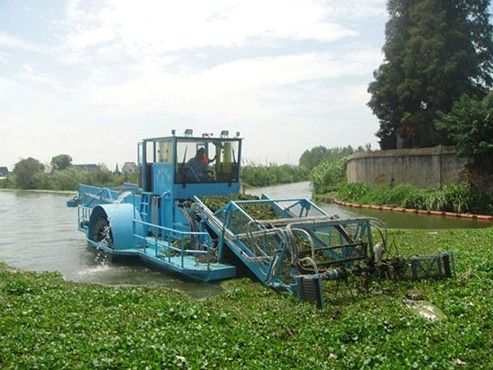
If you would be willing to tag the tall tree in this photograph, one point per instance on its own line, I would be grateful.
(469, 126)
(61, 162)
(25, 172)
(435, 51)
(311, 158)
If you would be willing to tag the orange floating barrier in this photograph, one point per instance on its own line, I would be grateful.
(436, 213)
(485, 217)
(414, 210)
(451, 214)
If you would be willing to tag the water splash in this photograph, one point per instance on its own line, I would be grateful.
(94, 270)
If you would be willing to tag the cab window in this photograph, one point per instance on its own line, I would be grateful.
(206, 161)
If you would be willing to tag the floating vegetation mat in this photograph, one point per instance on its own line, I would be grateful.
(252, 326)
(256, 211)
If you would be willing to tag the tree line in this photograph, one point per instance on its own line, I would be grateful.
(30, 173)
(272, 174)
(315, 164)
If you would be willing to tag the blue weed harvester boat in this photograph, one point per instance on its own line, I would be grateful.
(187, 216)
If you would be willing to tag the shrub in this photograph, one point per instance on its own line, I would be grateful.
(459, 197)
(25, 171)
(353, 192)
(469, 127)
(6, 183)
(68, 179)
(328, 175)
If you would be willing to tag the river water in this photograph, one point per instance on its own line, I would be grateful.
(392, 219)
(38, 233)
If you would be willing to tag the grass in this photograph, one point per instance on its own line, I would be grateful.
(324, 198)
(46, 322)
(452, 197)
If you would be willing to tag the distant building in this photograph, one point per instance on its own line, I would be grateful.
(4, 171)
(87, 167)
(129, 167)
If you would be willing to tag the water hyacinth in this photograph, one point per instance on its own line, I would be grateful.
(256, 211)
(46, 322)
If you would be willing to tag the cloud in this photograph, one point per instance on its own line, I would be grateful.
(8, 41)
(133, 69)
(155, 26)
(356, 9)
(244, 87)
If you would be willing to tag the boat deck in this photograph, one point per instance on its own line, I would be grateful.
(188, 266)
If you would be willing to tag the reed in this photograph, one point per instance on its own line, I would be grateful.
(454, 197)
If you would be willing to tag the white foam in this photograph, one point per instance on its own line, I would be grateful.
(94, 270)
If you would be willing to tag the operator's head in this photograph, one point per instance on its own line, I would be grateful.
(200, 152)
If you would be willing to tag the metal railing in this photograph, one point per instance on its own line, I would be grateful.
(89, 194)
(83, 217)
(163, 237)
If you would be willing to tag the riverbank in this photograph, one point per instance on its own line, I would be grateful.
(248, 325)
(474, 216)
(324, 198)
(453, 198)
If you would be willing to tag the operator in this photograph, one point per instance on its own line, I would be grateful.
(198, 165)
(206, 159)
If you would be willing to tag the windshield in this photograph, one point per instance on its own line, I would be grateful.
(207, 161)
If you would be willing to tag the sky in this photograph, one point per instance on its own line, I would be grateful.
(92, 78)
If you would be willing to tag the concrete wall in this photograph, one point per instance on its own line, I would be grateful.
(425, 167)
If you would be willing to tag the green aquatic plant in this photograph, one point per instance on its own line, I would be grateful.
(257, 211)
(250, 326)
(452, 197)
(215, 203)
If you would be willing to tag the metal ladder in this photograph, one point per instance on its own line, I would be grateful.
(144, 206)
